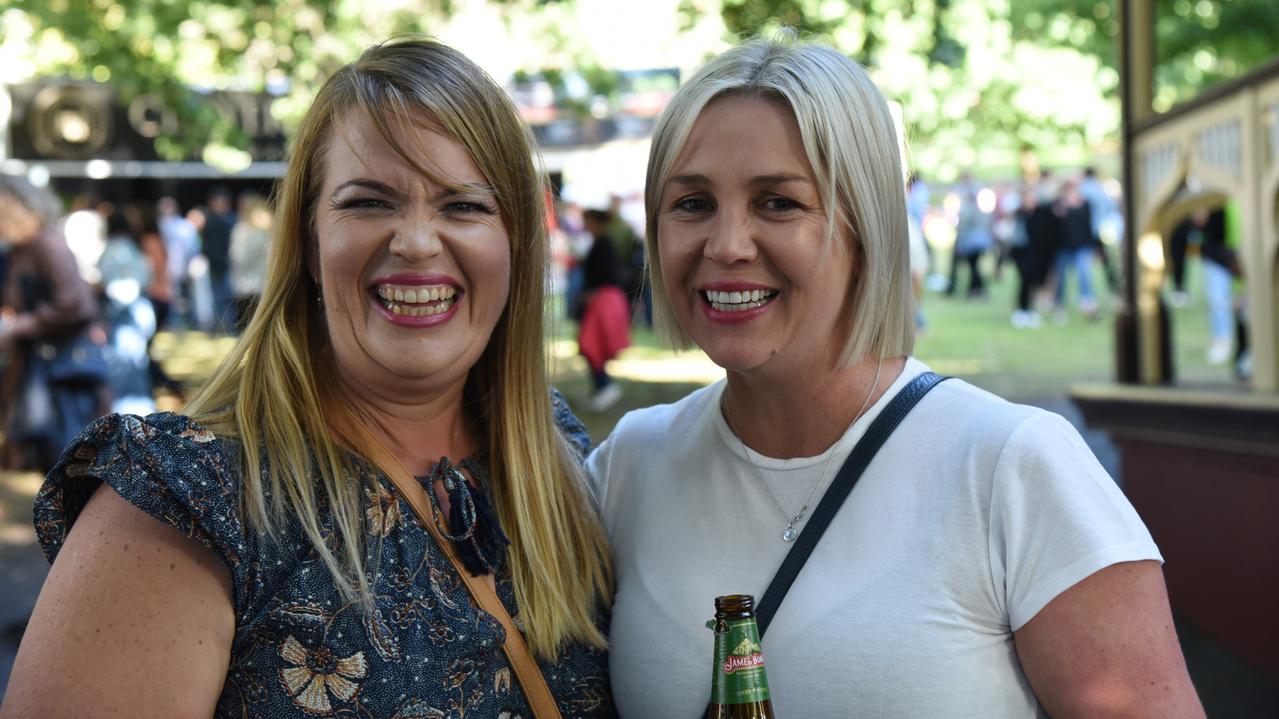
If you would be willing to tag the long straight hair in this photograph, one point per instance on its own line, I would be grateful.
(271, 392)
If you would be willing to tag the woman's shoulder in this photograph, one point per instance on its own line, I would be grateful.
(968, 415)
(967, 418)
(166, 465)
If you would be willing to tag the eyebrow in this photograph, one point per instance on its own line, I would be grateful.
(776, 178)
(470, 187)
(382, 187)
(367, 184)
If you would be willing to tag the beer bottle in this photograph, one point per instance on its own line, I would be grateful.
(739, 687)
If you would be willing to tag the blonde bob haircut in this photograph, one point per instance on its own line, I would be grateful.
(274, 388)
(851, 143)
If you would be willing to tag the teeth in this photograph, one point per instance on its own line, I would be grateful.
(417, 301)
(739, 301)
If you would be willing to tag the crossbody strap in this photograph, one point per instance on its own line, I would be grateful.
(521, 660)
(878, 432)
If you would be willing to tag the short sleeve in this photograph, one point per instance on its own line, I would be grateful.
(1056, 517)
(572, 428)
(166, 466)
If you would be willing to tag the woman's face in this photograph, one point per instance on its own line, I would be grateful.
(742, 241)
(18, 225)
(415, 275)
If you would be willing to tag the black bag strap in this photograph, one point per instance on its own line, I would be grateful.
(840, 487)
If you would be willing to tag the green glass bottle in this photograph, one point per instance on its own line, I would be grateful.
(739, 686)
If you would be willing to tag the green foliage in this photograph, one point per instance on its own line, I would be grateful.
(1198, 43)
(975, 81)
(175, 50)
(1201, 43)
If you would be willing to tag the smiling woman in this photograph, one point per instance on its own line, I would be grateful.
(377, 478)
(983, 565)
(400, 249)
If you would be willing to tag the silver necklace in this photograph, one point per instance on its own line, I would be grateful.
(790, 533)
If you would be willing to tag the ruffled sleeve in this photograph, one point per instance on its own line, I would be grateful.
(166, 466)
(572, 427)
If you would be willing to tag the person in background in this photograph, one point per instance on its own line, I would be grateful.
(219, 219)
(161, 292)
(984, 565)
(973, 238)
(606, 315)
(1102, 211)
(85, 231)
(126, 274)
(1076, 254)
(181, 245)
(1220, 263)
(1178, 250)
(629, 253)
(1233, 221)
(1026, 256)
(1044, 230)
(250, 240)
(202, 297)
(253, 557)
(46, 308)
(918, 198)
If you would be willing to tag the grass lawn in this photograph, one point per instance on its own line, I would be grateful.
(969, 339)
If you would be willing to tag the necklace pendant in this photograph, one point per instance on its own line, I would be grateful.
(790, 533)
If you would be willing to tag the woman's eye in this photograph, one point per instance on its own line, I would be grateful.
(469, 207)
(692, 204)
(780, 204)
(362, 203)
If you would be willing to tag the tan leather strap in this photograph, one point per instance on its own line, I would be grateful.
(527, 672)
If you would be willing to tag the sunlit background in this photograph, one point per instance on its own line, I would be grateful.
(139, 98)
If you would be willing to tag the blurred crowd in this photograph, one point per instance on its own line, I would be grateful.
(1053, 231)
(85, 292)
(1060, 231)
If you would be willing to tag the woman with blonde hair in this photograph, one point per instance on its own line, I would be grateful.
(377, 478)
(964, 558)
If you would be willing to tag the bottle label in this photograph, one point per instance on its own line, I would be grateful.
(739, 665)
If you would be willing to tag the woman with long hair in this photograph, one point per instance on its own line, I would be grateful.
(262, 554)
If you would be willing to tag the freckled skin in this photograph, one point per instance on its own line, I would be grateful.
(116, 640)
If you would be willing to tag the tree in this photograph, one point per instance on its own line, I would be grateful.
(973, 89)
(1198, 43)
(178, 50)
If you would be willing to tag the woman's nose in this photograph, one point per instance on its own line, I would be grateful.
(416, 238)
(731, 239)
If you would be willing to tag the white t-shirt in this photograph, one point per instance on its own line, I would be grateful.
(972, 517)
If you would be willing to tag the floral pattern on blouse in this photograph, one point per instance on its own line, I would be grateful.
(424, 651)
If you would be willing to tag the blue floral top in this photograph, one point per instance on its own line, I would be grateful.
(425, 651)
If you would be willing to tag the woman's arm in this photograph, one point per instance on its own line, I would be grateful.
(134, 620)
(1106, 647)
